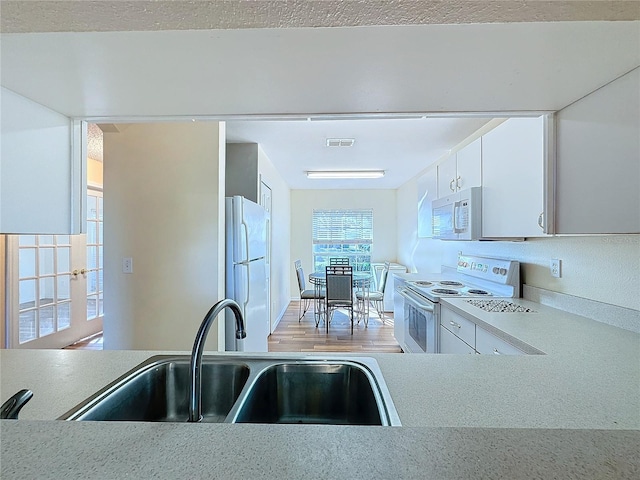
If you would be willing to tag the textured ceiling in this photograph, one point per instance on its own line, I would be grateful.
(140, 15)
(94, 142)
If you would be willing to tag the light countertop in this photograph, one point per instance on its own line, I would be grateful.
(572, 412)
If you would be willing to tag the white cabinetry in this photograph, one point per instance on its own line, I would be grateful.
(459, 326)
(42, 169)
(513, 178)
(449, 343)
(460, 335)
(462, 170)
(598, 161)
(489, 344)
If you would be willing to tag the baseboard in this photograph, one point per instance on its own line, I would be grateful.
(279, 317)
(614, 315)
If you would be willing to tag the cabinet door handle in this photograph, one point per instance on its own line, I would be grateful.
(451, 185)
(454, 324)
(540, 217)
(458, 183)
(496, 352)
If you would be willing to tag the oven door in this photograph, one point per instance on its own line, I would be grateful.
(420, 323)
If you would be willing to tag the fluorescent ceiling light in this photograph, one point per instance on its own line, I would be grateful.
(345, 173)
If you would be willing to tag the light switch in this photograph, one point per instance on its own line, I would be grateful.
(127, 265)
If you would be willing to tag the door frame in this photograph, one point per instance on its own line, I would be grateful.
(79, 328)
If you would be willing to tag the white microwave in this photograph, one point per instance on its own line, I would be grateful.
(458, 216)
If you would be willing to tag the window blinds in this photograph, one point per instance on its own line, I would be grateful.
(343, 226)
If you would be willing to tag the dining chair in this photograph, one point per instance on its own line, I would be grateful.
(376, 297)
(307, 296)
(338, 261)
(339, 291)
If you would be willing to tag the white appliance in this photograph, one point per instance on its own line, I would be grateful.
(246, 273)
(473, 277)
(458, 216)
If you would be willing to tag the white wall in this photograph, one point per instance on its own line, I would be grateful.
(281, 236)
(303, 202)
(163, 208)
(418, 254)
(603, 268)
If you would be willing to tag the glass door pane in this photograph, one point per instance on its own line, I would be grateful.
(44, 303)
(94, 255)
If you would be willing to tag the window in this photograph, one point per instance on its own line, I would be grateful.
(343, 233)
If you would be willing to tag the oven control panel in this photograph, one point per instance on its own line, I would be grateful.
(491, 269)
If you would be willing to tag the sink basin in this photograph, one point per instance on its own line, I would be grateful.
(158, 391)
(329, 393)
(247, 389)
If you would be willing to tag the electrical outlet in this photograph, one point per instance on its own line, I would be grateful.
(127, 265)
(555, 266)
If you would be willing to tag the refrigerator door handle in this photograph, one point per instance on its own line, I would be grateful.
(246, 242)
(247, 294)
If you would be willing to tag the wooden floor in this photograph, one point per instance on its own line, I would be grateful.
(293, 336)
(94, 342)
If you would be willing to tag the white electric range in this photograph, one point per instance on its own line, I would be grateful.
(473, 277)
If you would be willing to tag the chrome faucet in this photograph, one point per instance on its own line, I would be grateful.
(195, 394)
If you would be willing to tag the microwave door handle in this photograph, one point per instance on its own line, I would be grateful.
(456, 209)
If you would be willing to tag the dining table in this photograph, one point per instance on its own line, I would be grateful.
(361, 282)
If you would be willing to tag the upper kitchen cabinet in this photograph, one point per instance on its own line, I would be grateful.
(461, 170)
(598, 161)
(42, 169)
(513, 178)
(242, 171)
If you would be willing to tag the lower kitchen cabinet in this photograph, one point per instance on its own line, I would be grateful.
(460, 335)
(449, 343)
(489, 344)
(461, 327)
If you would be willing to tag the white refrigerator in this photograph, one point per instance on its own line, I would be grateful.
(246, 275)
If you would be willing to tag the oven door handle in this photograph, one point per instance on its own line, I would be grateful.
(412, 298)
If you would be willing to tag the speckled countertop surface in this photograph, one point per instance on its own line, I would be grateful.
(178, 451)
(547, 329)
(573, 413)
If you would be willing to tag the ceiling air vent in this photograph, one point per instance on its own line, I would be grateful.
(340, 142)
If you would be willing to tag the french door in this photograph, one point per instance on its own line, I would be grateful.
(55, 284)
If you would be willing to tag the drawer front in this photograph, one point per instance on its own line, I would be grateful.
(449, 343)
(489, 344)
(459, 326)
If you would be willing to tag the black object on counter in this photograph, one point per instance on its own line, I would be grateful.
(12, 407)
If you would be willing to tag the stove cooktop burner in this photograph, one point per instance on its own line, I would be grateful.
(445, 291)
(474, 291)
(423, 283)
(451, 283)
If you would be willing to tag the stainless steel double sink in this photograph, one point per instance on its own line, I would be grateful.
(248, 389)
